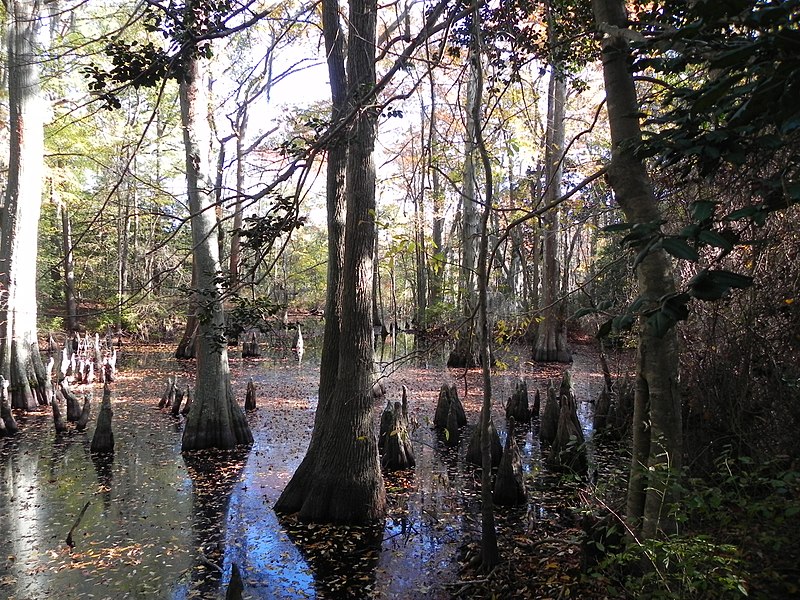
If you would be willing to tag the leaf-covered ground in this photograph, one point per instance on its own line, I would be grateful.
(161, 525)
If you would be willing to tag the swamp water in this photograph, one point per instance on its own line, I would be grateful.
(161, 525)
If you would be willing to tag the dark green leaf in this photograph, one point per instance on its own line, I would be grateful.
(713, 285)
(731, 279)
(605, 305)
(690, 231)
(644, 252)
(675, 307)
(792, 190)
(742, 213)
(617, 227)
(640, 232)
(660, 323)
(680, 249)
(712, 238)
(622, 322)
(605, 329)
(636, 304)
(703, 210)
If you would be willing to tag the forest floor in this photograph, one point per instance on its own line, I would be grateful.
(162, 525)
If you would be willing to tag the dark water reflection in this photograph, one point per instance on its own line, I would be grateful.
(160, 525)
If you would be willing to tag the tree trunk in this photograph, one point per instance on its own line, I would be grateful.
(435, 267)
(657, 435)
(490, 553)
(420, 256)
(377, 307)
(551, 343)
(187, 345)
(69, 270)
(466, 353)
(216, 420)
(20, 215)
(340, 478)
(235, 257)
(293, 495)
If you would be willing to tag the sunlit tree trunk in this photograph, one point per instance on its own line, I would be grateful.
(436, 265)
(551, 343)
(657, 434)
(420, 256)
(187, 345)
(235, 257)
(20, 362)
(377, 305)
(71, 320)
(216, 420)
(123, 217)
(466, 353)
(339, 479)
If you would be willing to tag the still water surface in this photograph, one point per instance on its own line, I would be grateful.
(161, 525)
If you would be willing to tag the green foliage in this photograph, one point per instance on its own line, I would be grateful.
(741, 491)
(248, 313)
(734, 77)
(679, 567)
(148, 64)
(708, 284)
(734, 520)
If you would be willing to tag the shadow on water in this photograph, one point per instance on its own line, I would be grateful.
(342, 559)
(214, 475)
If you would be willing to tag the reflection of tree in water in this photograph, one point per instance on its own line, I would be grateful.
(343, 558)
(214, 474)
(103, 466)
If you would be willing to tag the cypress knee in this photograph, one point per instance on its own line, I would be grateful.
(83, 420)
(169, 394)
(452, 434)
(509, 487)
(449, 401)
(549, 424)
(73, 403)
(187, 406)
(387, 421)
(58, 420)
(103, 439)
(9, 423)
(474, 455)
(517, 406)
(399, 453)
(176, 405)
(569, 450)
(250, 396)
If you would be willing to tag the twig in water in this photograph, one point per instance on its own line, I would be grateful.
(69, 540)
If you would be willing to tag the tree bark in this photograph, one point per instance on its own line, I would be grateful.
(436, 266)
(293, 495)
(340, 479)
(490, 553)
(551, 343)
(216, 420)
(657, 434)
(20, 215)
(235, 248)
(187, 345)
(466, 352)
(69, 270)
